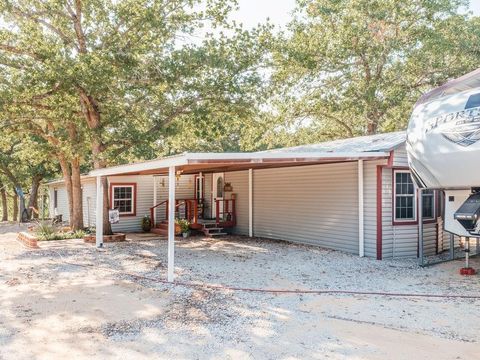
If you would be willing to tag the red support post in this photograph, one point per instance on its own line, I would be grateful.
(195, 211)
(152, 218)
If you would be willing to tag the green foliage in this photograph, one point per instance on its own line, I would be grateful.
(146, 223)
(135, 62)
(45, 230)
(184, 225)
(100, 83)
(356, 67)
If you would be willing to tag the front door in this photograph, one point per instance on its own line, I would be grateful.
(217, 194)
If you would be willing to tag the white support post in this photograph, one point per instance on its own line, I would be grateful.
(250, 202)
(361, 237)
(171, 222)
(154, 220)
(99, 214)
(200, 185)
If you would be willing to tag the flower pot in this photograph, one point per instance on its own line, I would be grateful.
(185, 234)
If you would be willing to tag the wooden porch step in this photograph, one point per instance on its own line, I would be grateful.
(159, 231)
(207, 222)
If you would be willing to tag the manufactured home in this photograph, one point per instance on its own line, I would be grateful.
(354, 195)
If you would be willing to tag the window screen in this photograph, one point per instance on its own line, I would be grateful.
(404, 196)
(123, 199)
(428, 204)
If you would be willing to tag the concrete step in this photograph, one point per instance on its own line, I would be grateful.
(217, 234)
(213, 229)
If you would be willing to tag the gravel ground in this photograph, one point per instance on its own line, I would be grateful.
(69, 299)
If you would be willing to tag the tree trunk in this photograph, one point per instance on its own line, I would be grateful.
(76, 217)
(15, 206)
(92, 114)
(67, 178)
(3, 198)
(372, 127)
(107, 227)
(23, 210)
(71, 176)
(17, 188)
(33, 200)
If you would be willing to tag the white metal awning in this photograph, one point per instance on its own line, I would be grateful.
(214, 161)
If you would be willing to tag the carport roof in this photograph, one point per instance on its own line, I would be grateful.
(365, 147)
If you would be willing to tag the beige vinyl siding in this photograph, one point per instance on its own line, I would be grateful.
(51, 211)
(184, 189)
(239, 181)
(370, 205)
(444, 238)
(401, 240)
(208, 196)
(62, 202)
(387, 228)
(400, 157)
(89, 191)
(315, 204)
(144, 201)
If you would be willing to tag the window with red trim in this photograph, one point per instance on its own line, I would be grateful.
(123, 198)
(404, 197)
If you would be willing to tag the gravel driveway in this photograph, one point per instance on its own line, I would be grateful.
(71, 300)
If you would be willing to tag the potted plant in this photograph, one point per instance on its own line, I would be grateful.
(184, 226)
(146, 223)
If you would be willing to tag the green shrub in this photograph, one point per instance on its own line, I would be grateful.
(184, 225)
(46, 231)
(146, 223)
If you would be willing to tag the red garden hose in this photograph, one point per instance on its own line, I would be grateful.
(275, 291)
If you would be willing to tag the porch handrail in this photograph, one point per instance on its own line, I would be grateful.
(178, 202)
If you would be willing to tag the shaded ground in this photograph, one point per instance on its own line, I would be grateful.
(71, 300)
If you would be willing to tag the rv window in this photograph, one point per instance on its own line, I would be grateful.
(473, 101)
(55, 198)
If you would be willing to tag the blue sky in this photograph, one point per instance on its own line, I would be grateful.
(252, 12)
